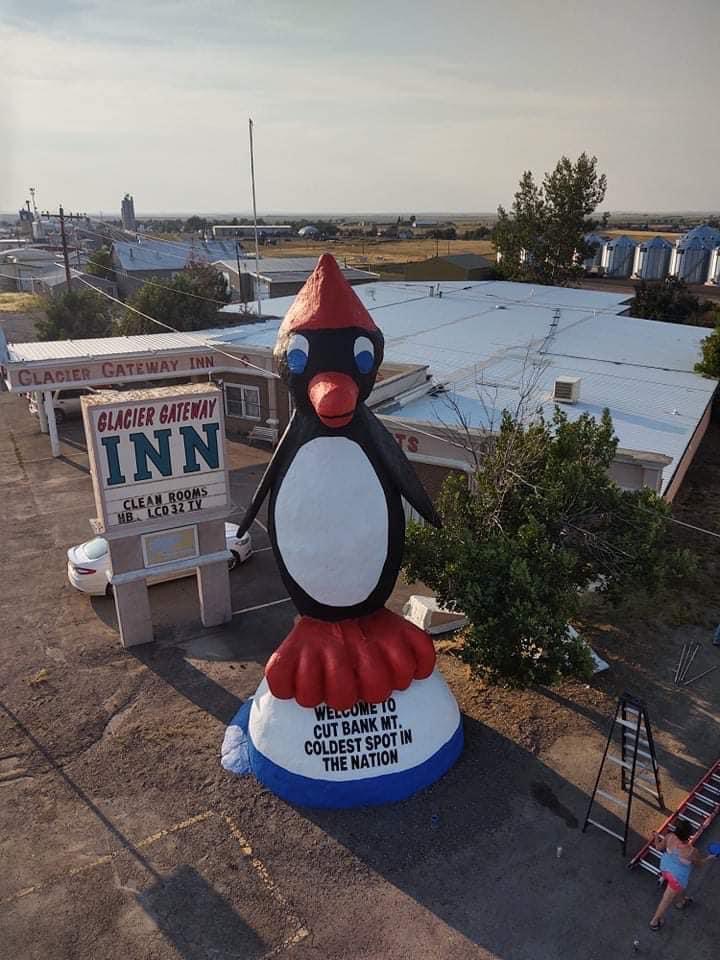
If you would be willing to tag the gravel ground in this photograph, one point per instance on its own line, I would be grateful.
(121, 836)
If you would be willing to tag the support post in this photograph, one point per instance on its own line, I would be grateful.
(132, 606)
(132, 601)
(213, 580)
(272, 419)
(42, 415)
(52, 423)
(214, 594)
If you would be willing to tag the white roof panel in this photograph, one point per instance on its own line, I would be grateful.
(482, 338)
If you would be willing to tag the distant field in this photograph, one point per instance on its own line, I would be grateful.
(643, 234)
(376, 251)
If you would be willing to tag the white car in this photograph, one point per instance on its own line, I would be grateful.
(89, 571)
(66, 403)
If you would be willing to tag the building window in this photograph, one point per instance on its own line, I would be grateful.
(243, 401)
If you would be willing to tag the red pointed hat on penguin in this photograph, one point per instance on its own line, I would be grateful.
(326, 302)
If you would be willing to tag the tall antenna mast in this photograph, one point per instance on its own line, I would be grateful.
(257, 251)
(35, 209)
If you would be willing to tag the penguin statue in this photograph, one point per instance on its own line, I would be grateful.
(351, 710)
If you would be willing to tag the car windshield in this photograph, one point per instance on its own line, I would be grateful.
(95, 548)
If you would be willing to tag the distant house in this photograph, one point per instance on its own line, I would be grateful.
(57, 283)
(278, 276)
(135, 262)
(22, 267)
(458, 266)
(247, 230)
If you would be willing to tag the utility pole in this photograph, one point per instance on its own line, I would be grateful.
(237, 260)
(64, 246)
(63, 217)
(257, 252)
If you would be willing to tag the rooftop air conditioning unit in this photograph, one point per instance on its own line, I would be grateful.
(567, 390)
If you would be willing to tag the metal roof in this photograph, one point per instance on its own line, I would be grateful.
(148, 254)
(482, 340)
(277, 269)
(99, 347)
(622, 241)
(656, 243)
(485, 339)
(709, 235)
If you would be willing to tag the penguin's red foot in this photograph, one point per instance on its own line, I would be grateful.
(350, 660)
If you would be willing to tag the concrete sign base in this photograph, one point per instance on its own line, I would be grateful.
(132, 602)
(367, 755)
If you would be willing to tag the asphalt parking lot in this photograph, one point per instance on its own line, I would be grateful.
(121, 836)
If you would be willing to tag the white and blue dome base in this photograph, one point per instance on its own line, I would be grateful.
(368, 755)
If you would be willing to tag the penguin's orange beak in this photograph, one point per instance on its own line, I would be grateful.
(334, 398)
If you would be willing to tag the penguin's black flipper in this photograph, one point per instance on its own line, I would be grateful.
(399, 467)
(271, 472)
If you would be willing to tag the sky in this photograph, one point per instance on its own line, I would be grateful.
(380, 106)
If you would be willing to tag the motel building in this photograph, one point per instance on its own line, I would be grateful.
(456, 355)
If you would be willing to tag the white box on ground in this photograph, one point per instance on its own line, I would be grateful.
(429, 615)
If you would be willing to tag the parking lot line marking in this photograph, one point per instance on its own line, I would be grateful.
(108, 858)
(300, 931)
(262, 550)
(271, 887)
(260, 606)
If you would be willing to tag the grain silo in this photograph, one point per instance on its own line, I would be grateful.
(652, 259)
(595, 244)
(713, 275)
(690, 258)
(710, 236)
(617, 257)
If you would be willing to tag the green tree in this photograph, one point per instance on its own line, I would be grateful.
(668, 299)
(74, 315)
(195, 224)
(100, 264)
(540, 522)
(709, 366)
(541, 239)
(190, 301)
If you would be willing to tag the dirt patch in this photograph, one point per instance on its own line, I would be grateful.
(122, 837)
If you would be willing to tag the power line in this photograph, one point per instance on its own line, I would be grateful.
(183, 333)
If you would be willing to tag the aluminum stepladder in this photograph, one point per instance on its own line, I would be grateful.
(699, 808)
(637, 762)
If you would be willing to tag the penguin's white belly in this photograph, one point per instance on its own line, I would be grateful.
(331, 522)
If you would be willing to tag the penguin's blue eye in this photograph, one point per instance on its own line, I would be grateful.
(297, 353)
(364, 354)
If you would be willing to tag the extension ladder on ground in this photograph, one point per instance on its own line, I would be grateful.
(699, 808)
(636, 760)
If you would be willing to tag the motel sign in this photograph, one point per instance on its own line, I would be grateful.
(157, 456)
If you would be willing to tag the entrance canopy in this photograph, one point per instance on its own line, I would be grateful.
(113, 361)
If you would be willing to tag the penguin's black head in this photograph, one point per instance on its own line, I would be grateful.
(328, 348)
(329, 372)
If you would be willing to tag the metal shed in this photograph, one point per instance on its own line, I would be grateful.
(617, 257)
(690, 259)
(652, 259)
